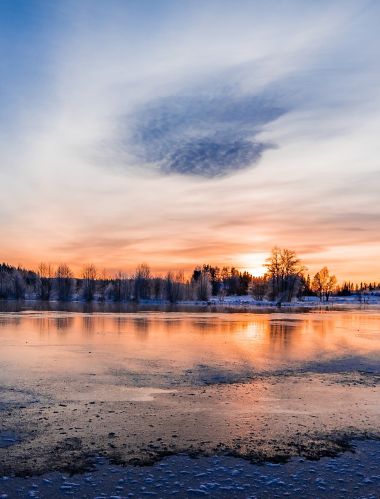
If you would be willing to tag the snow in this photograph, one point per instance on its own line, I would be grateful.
(347, 476)
(307, 301)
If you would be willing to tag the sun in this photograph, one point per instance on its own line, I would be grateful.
(254, 263)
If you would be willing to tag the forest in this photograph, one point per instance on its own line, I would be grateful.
(285, 279)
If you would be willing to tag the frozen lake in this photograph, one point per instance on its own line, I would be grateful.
(136, 387)
(161, 349)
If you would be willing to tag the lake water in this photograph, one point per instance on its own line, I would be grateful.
(138, 385)
(172, 348)
(166, 349)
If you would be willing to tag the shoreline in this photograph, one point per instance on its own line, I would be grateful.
(319, 447)
(235, 304)
(59, 433)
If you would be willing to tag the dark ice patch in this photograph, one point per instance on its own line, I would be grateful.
(8, 438)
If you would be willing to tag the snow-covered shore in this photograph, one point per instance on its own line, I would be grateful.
(245, 303)
(248, 301)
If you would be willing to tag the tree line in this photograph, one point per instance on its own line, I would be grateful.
(285, 279)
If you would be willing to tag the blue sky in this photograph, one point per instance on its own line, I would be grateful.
(183, 132)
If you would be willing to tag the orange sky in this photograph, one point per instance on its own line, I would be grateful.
(201, 135)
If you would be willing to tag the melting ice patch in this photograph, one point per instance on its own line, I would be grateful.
(200, 135)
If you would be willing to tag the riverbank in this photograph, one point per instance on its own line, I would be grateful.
(231, 304)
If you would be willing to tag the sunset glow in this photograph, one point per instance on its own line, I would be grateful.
(254, 263)
(195, 135)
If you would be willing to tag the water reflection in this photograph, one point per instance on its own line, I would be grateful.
(173, 344)
(142, 327)
(282, 335)
(62, 323)
(89, 324)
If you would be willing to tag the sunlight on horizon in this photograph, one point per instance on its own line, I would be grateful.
(254, 263)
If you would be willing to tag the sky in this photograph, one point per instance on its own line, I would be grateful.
(181, 133)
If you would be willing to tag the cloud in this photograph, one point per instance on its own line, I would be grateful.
(212, 158)
(200, 135)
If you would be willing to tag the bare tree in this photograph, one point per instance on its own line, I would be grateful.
(175, 287)
(89, 276)
(64, 282)
(259, 287)
(103, 282)
(203, 287)
(142, 282)
(158, 288)
(285, 274)
(45, 274)
(324, 284)
(120, 288)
